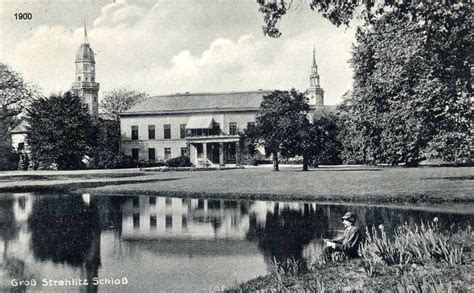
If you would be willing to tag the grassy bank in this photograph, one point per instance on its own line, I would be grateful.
(415, 259)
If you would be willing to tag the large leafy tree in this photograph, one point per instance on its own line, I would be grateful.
(15, 94)
(324, 145)
(60, 131)
(278, 123)
(343, 12)
(410, 99)
(119, 100)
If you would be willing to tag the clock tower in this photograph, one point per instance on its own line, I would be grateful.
(85, 85)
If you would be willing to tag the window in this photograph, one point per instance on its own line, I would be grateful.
(86, 67)
(169, 222)
(87, 79)
(136, 202)
(136, 220)
(152, 200)
(134, 132)
(151, 131)
(184, 222)
(182, 130)
(151, 154)
(232, 128)
(135, 154)
(184, 152)
(153, 221)
(22, 203)
(216, 128)
(168, 201)
(78, 78)
(95, 99)
(21, 146)
(167, 153)
(167, 131)
(250, 125)
(92, 78)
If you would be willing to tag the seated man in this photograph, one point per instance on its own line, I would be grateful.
(348, 244)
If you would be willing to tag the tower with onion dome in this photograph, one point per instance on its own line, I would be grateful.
(85, 85)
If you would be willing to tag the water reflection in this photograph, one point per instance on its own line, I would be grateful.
(66, 230)
(170, 244)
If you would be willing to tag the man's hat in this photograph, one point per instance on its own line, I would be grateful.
(350, 217)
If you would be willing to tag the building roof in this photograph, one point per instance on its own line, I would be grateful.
(85, 53)
(199, 102)
(20, 128)
(205, 103)
(199, 122)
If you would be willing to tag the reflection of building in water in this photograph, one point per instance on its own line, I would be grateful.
(160, 217)
(22, 207)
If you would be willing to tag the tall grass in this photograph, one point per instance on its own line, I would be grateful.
(417, 245)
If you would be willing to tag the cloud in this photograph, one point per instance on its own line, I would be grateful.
(118, 13)
(178, 46)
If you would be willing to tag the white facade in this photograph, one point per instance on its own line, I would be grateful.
(182, 141)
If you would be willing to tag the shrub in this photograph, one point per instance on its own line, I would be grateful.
(8, 157)
(111, 160)
(183, 161)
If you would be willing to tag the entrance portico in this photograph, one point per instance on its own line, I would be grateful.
(213, 150)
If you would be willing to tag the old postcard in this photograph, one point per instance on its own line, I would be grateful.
(236, 146)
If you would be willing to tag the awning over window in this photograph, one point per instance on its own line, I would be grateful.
(200, 122)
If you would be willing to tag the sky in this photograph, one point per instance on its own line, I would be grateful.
(171, 46)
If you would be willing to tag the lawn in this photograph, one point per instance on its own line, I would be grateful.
(357, 184)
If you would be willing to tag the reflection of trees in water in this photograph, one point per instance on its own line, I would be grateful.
(62, 229)
(66, 230)
(287, 232)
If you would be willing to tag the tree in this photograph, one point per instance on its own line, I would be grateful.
(60, 131)
(15, 94)
(342, 12)
(325, 146)
(8, 156)
(410, 98)
(119, 100)
(277, 123)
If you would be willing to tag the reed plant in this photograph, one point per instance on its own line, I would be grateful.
(414, 245)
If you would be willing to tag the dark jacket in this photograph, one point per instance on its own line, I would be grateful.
(349, 243)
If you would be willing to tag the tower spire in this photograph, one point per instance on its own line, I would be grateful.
(86, 41)
(314, 57)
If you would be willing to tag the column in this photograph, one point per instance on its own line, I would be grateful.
(221, 154)
(204, 154)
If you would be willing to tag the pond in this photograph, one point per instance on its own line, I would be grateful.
(161, 244)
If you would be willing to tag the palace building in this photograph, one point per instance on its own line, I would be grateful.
(203, 126)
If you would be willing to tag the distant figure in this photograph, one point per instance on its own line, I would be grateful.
(348, 244)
